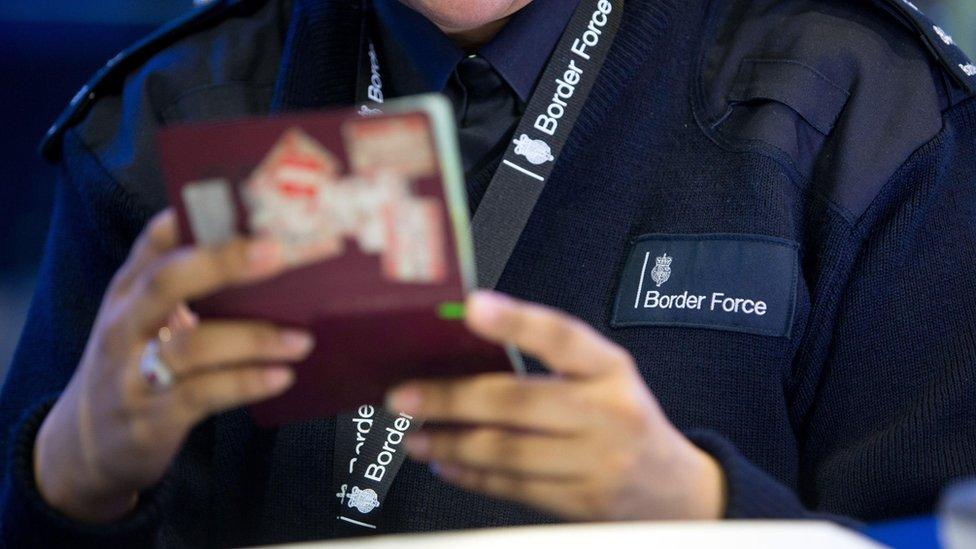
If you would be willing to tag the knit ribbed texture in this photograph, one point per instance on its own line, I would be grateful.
(321, 56)
(750, 493)
(39, 525)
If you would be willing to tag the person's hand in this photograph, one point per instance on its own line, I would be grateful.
(590, 443)
(112, 433)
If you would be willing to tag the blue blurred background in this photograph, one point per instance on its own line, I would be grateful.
(50, 48)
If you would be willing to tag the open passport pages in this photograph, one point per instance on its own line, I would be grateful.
(371, 215)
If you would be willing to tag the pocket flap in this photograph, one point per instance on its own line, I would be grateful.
(804, 89)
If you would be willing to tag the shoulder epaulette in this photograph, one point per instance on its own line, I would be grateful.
(114, 72)
(939, 42)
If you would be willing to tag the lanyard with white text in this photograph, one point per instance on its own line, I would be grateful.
(364, 466)
(368, 453)
(367, 448)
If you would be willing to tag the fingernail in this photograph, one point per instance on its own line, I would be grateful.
(405, 399)
(435, 468)
(417, 444)
(279, 378)
(485, 308)
(297, 341)
(192, 319)
(263, 254)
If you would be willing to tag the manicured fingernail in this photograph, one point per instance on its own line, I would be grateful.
(484, 308)
(297, 341)
(263, 254)
(417, 444)
(405, 399)
(192, 319)
(279, 378)
(184, 318)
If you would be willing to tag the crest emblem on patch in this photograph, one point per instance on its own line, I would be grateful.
(662, 270)
(536, 151)
(363, 500)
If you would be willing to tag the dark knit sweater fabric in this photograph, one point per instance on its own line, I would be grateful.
(865, 411)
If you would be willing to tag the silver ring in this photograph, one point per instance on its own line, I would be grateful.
(156, 373)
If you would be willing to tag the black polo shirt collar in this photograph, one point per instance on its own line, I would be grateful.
(421, 58)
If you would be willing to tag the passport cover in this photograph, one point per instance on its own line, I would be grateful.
(372, 216)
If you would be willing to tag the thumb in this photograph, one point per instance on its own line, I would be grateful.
(565, 344)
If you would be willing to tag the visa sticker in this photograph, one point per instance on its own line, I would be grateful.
(734, 282)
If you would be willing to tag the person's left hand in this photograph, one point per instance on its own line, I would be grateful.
(590, 443)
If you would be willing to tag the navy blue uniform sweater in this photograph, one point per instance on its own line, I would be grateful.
(823, 123)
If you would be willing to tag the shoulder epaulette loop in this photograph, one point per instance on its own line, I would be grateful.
(939, 42)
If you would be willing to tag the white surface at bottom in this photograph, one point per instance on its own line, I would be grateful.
(686, 535)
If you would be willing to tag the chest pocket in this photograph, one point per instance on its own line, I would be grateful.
(784, 104)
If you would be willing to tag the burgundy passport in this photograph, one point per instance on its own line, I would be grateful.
(371, 215)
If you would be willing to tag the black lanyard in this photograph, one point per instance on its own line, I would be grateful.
(368, 447)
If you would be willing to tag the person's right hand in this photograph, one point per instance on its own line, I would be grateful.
(111, 433)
